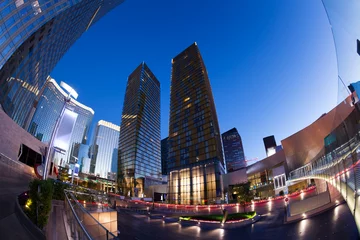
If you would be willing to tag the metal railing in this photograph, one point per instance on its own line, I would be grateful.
(81, 223)
(339, 165)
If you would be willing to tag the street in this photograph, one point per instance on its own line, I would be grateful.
(337, 223)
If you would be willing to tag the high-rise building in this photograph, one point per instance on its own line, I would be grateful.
(139, 142)
(233, 150)
(164, 155)
(195, 158)
(107, 140)
(48, 107)
(34, 35)
(270, 145)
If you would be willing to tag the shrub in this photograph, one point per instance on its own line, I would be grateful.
(38, 206)
(59, 188)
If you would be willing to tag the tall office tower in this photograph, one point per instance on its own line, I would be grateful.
(84, 158)
(270, 145)
(48, 107)
(107, 139)
(139, 142)
(164, 155)
(34, 35)
(195, 160)
(233, 150)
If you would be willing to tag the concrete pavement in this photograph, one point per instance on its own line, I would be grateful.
(337, 223)
(13, 222)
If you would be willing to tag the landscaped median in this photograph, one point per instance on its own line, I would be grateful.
(233, 220)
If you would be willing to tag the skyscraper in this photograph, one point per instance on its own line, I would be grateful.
(34, 35)
(48, 108)
(270, 145)
(195, 160)
(233, 150)
(164, 155)
(107, 140)
(139, 142)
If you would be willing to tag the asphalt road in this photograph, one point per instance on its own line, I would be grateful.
(336, 223)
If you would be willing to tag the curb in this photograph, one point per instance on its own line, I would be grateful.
(314, 214)
(24, 220)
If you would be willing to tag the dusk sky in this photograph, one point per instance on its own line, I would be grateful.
(271, 64)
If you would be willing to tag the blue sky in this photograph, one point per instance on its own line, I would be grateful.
(271, 64)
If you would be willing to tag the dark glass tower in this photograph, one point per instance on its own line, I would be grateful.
(233, 150)
(139, 141)
(164, 155)
(195, 160)
(34, 35)
(270, 145)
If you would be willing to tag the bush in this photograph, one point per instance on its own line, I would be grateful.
(59, 188)
(38, 205)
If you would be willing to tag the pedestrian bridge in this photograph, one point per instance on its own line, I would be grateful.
(341, 169)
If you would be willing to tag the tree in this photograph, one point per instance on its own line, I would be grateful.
(243, 193)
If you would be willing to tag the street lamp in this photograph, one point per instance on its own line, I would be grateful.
(67, 99)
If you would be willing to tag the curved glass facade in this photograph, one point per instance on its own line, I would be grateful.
(139, 142)
(47, 111)
(34, 35)
(107, 141)
(345, 26)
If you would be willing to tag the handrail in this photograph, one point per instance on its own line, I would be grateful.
(83, 209)
(77, 218)
(328, 160)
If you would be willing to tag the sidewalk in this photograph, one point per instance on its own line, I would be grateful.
(13, 222)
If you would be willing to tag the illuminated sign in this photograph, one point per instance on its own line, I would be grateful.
(63, 135)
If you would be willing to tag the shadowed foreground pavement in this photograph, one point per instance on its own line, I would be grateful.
(12, 222)
(336, 223)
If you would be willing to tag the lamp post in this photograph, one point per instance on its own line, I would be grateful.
(67, 99)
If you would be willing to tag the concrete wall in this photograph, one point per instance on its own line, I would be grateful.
(236, 177)
(12, 136)
(308, 143)
(309, 204)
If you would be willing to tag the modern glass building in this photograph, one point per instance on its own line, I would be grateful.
(233, 150)
(164, 155)
(48, 108)
(107, 140)
(139, 142)
(34, 35)
(195, 158)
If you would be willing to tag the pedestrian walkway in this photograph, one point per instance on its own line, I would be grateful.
(13, 222)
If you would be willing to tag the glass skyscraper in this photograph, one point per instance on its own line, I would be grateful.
(195, 158)
(34, 35)
(48, 108)
(139, 142)
(107, 140)
(233, 150)
(164, 155)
